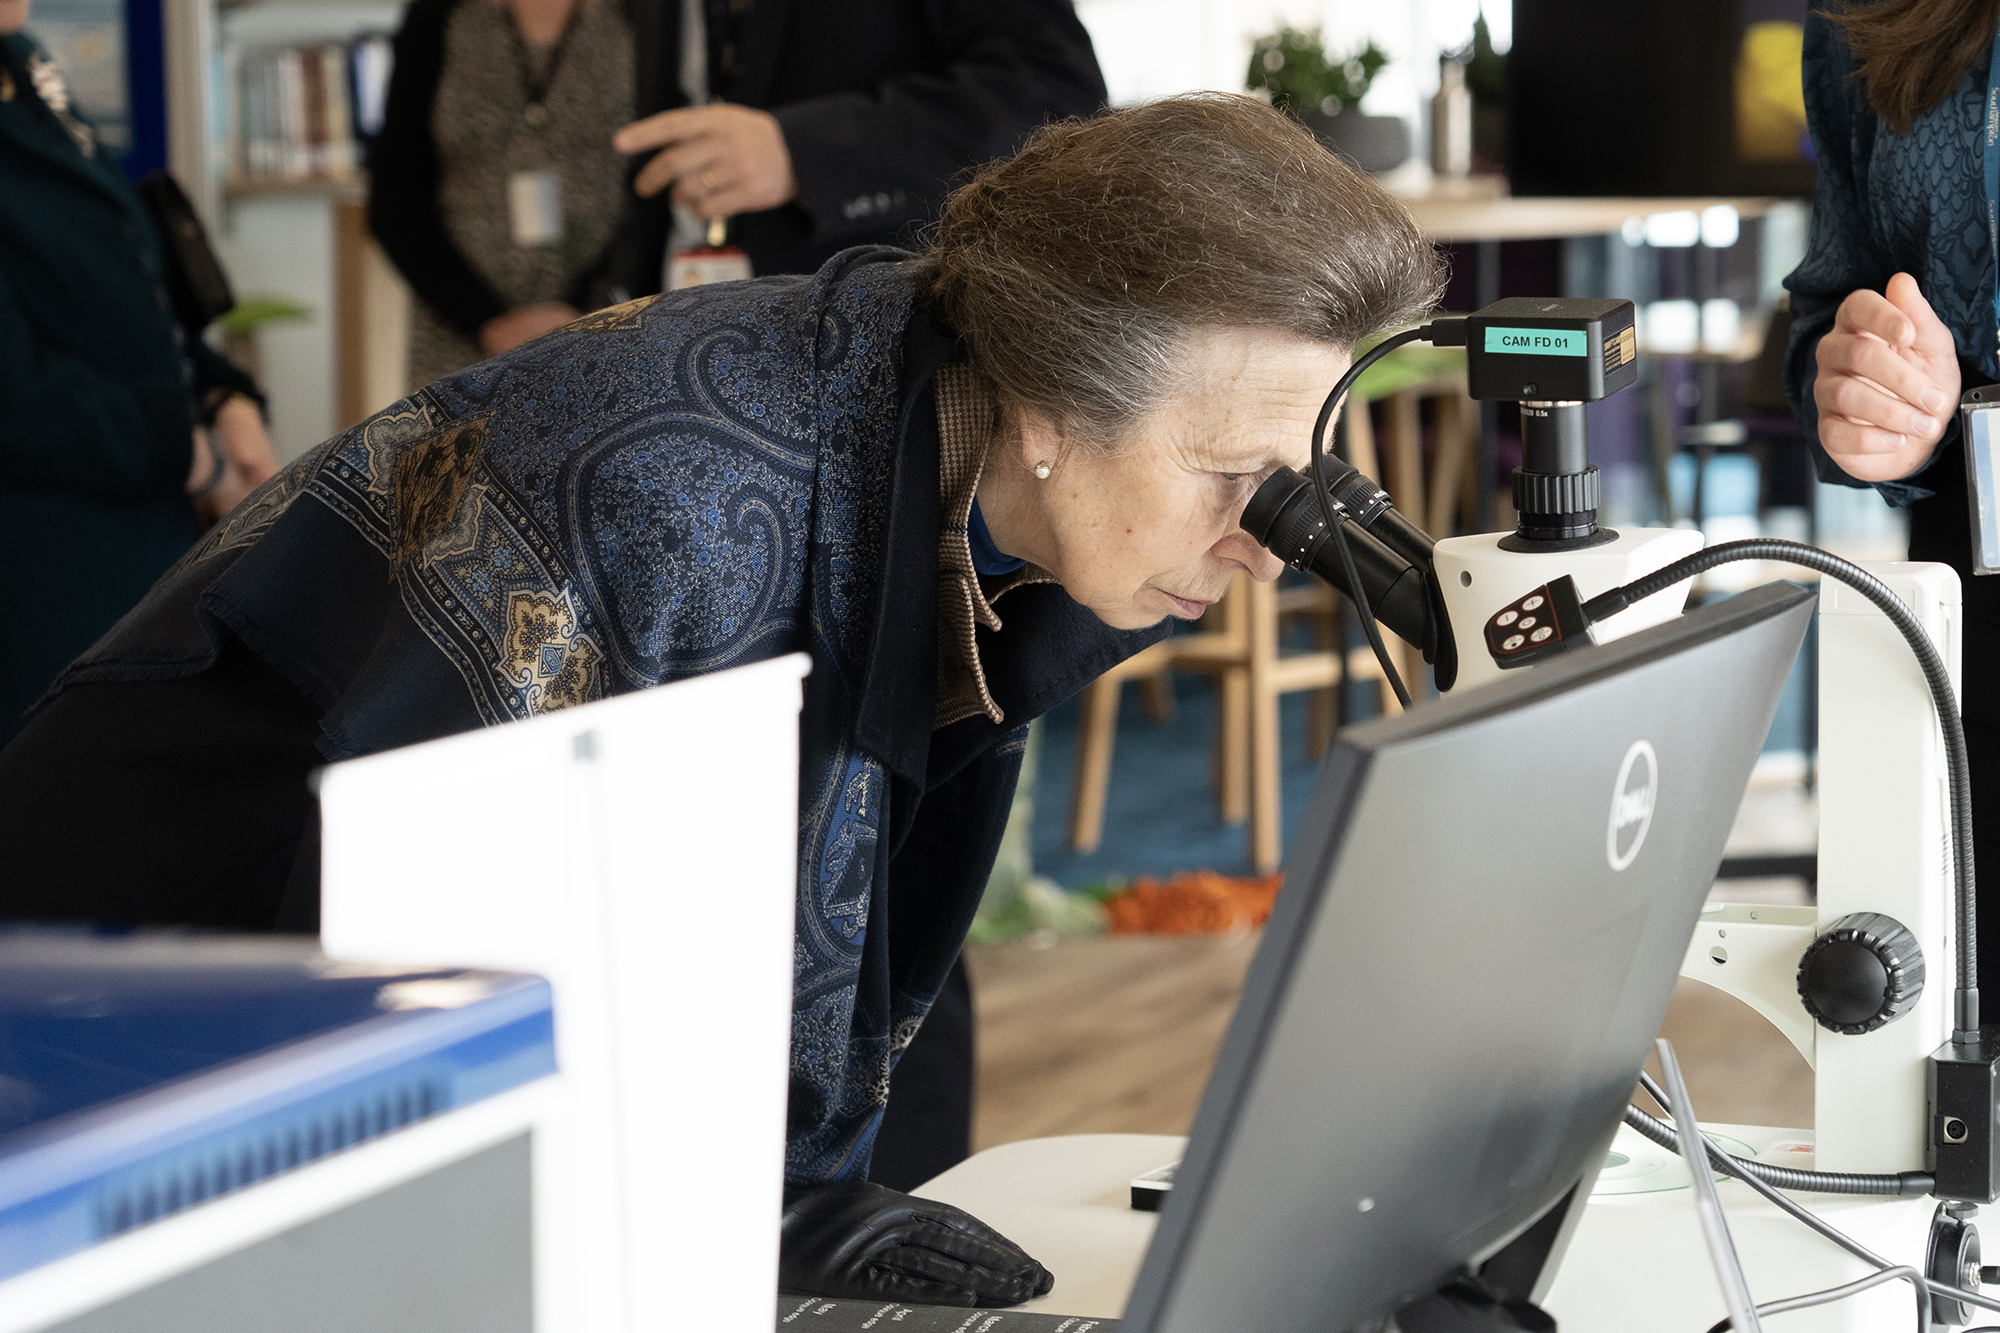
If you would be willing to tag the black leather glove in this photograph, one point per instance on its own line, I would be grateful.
(864, 1241)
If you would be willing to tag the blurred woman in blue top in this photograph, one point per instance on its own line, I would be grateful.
(1893, 307)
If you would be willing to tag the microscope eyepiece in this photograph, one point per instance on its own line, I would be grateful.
(1284, 516)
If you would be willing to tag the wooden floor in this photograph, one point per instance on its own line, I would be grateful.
(1093, 1035)
(1118, 1033)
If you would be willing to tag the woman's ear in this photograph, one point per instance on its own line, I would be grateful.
(1040, 441)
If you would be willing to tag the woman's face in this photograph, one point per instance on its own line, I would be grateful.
(1154, 529)
(13, 16)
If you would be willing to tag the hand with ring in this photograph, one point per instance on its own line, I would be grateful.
(720, 160)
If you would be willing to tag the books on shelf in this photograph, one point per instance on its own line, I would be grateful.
(303, 112)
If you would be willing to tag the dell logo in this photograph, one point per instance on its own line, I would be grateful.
(1632, 799)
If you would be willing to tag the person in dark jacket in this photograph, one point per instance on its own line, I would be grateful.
(1100, 378)
(1893, 310)
(833, 122)
(101, 392)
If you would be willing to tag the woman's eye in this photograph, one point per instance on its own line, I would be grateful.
(1232, 477)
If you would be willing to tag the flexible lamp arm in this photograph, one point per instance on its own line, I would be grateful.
(1965, 1000)
(1570, 619)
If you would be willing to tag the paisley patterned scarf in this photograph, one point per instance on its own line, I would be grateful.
(664, 489)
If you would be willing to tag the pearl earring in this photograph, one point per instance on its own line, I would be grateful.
(1041, 472)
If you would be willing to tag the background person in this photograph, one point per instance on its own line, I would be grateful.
(492, 186)
(836, 122)
(1893, 307)
(119, 436)
(788, 464)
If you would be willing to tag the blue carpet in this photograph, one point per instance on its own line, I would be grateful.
(1160, 813)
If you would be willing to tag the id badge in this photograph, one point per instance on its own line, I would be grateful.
(1979, 421)
(534, 206)
(706, 264)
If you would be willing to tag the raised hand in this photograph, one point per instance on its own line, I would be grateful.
(721, 160)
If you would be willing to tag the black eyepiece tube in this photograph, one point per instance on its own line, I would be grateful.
(1284, 517)
(1403, 537)
(1368, 506)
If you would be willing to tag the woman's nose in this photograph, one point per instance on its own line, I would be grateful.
(1241, 547)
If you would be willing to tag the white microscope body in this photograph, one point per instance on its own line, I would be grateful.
(1477, 578)
(1637, 1262)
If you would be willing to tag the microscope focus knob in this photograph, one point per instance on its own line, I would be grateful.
(1863, 971)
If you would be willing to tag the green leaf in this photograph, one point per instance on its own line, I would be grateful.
(1293, 66)
(247, 316)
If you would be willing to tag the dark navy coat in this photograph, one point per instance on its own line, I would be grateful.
(667, 488)
(96, 395)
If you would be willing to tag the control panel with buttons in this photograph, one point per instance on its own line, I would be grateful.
(1545, 621)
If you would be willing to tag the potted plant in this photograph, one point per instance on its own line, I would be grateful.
(1292, 67)
(1486, 80)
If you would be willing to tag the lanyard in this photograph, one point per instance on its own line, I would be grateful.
(537, 89)
(1993, 177)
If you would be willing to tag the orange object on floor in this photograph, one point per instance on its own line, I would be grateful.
(1199, 902)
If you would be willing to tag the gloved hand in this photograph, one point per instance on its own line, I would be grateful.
(864, 1241)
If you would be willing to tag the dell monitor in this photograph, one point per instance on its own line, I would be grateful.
(1480, 928)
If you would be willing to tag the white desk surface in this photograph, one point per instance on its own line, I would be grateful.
(1068, 1202)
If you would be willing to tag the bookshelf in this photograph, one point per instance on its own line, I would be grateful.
(261, 102)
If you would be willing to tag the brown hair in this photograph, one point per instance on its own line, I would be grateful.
(1076, 270)
(1911, 53)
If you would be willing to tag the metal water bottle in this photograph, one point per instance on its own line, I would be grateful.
(1451, 122)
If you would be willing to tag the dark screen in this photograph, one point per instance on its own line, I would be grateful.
(1698, 97)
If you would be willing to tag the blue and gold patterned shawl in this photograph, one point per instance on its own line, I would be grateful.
(667, 488)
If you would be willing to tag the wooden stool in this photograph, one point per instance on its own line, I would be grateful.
(1250, 675)
(1097, 718)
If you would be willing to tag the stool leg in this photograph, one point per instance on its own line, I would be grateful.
(1404, 453)
(1454, 449)
(1159, 689)
(1357, 433)
(1412, 666)
(1096, 728)
(1368, 670)
(1322, 705)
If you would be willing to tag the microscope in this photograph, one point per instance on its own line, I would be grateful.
(1551, 357)
(1906, 1141)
